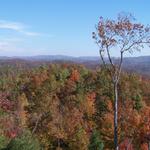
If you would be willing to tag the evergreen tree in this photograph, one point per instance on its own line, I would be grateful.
(96, 142)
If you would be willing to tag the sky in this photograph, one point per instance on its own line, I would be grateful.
(64, 27)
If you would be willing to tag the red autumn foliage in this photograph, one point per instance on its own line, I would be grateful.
(11, 134)
(144, 146)
(5, 103)
(126, 145)
(75, 75)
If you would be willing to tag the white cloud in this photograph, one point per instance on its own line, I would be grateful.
(10, 47)
(8, 44)
(18, 27)
(18, 45)
(3, 45)
(11, 25)
(31, 33)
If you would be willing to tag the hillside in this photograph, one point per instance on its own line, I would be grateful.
(70, 107)
(139, 65)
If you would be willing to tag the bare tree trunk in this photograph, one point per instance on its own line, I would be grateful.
(36, 124)
(116, 115)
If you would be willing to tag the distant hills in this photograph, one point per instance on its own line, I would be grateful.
(52, 58)
(135, 64)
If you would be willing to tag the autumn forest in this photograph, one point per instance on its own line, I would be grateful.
(64, 102)
(69, 107)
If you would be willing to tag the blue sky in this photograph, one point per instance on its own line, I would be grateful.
(50, 27)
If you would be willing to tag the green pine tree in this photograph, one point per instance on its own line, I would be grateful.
(96, 142)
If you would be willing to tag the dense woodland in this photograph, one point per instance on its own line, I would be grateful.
(70, 107)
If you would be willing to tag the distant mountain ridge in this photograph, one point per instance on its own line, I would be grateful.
(139, 64)
(51, 58)
(66, 57)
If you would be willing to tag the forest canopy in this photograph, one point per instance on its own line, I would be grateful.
(69, 107)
